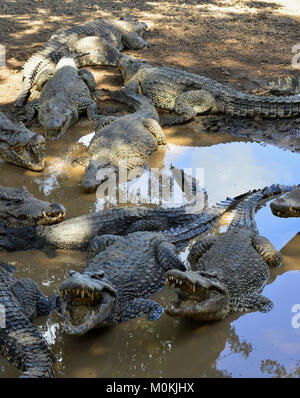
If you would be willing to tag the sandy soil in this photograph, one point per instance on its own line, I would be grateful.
(242, 43)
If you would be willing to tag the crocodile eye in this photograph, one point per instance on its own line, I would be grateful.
(97, 276)
(18, 148)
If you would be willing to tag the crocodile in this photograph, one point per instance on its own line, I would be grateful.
(189, 94)
(98, 41)
(21, 301)
(122, 142)
(229, 269)
(69, 92)
(20, 146)
(76, 233)
(124, 271)
(19, 208)
(287, 206)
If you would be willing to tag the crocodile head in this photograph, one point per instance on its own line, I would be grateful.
(23, 148)
(288, 206)
(56, 117)
(132, 25)
(200, 296)
(87, 300)
(20, 208)
(129, 66)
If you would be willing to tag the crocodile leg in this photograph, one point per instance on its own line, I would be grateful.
(32, 299)
(133, 41)
(45, 305)
(190, 104)
(90, 81)
(252, 302)
(30, 111)
(92, 112)
(168, 257)
(139, 307)
(199, 248)
(155, 129)
(267, 251)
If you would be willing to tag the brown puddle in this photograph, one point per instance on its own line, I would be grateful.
(251, 345)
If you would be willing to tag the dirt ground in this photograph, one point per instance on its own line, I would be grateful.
(242, 43)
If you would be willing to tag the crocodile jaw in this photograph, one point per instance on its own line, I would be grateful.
(199, 297)
(285, 207)
(53, 215)
(29, 156)
(86, 303)
(55, 118)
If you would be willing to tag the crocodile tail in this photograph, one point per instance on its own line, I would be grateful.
(244, 212)
(206, 220)
(24, 347)
(239, 104)
(20, 343)
(194, 193)
(30, 71)
(50, 54)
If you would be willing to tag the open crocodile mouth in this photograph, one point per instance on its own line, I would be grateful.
(51, 218)
(54, 133)
(84, 308)
(198, 295)
(30, 156)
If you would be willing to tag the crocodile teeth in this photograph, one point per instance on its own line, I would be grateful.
(194, 288)
(82, 293)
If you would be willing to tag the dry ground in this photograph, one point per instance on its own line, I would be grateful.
(243, 43)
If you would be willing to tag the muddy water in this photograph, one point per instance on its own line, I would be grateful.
(259, 345)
